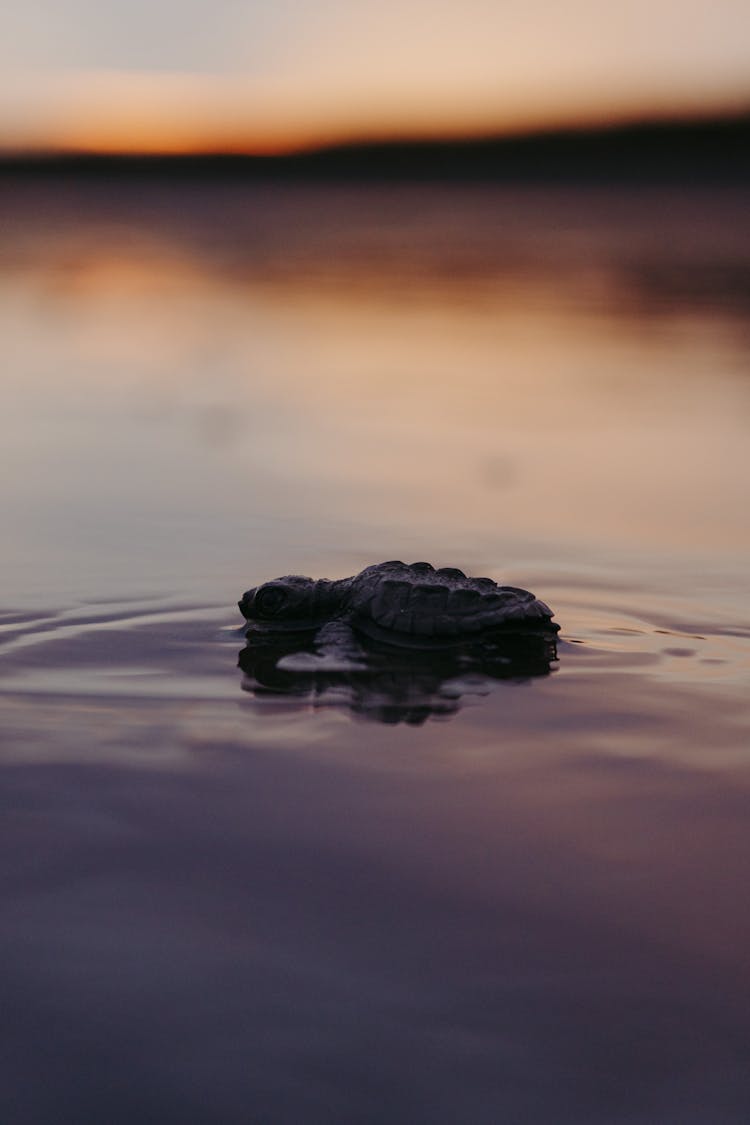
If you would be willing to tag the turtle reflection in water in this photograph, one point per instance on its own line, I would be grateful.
(399, 642)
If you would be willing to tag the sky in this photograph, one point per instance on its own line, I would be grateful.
(185, 75)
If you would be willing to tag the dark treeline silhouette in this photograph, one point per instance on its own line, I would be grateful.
(700, 150)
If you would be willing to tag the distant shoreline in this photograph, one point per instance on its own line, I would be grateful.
(706, 150)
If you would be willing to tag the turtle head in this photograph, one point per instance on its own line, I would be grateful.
(289, 603)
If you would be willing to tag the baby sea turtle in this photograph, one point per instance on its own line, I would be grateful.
(396, 603)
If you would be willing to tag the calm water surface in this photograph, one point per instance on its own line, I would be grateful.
(517, 900)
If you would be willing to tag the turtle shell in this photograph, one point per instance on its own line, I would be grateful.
(417, 600)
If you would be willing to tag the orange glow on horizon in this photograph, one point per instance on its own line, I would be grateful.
(137, 114)
(253, 78)
(149, 138)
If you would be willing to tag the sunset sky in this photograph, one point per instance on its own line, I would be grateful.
(177, 75)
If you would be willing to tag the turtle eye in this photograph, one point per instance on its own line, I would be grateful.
(269, 600)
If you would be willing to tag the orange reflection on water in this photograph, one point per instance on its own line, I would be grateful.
(328, 370)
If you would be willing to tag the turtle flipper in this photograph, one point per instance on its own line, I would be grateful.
(336, 643)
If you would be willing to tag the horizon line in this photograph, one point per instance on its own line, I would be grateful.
(592, 128)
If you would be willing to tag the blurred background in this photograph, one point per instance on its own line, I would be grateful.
(254, 76)
(293, 285)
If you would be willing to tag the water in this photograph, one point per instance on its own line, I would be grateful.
(519, 899)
